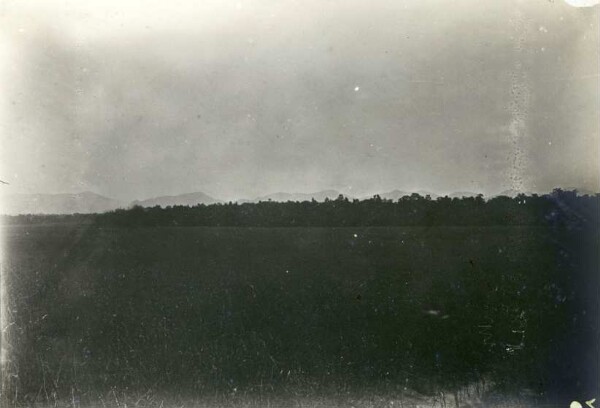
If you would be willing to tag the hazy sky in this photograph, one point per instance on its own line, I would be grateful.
(134, 99)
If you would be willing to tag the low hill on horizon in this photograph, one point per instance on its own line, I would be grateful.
(284, 197)
(66, 203)
(190, 199)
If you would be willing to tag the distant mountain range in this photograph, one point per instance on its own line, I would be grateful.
(511, 193)
(461, 194)
(284, 197)
(514, 193)
(88, 202)
(182, 199)
(398, 194)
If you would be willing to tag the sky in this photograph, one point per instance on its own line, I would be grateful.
(137, 99)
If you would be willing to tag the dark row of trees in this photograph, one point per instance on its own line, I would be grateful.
(559, 207)
(563, 207)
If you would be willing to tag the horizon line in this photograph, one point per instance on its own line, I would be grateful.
(407, 192)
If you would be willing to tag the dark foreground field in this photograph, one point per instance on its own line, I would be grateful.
(126, 316)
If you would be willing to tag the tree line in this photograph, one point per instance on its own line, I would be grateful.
(561, 207)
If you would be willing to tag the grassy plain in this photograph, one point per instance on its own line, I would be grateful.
(99, 312)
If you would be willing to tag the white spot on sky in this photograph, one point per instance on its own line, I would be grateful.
(355, 235)
(356, 88)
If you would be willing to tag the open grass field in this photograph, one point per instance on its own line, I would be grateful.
(102, 313)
